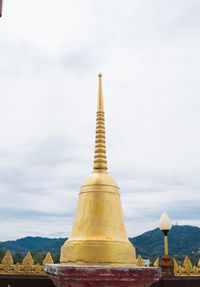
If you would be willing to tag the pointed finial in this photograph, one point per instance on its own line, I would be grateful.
(140, 261)
(100, 95)
(28, 259)
(48, 259)
(187, 263)
(7, 259)
(100, 162)
(156, 263)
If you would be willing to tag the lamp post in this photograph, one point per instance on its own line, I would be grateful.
(166, 264)
(165, 226)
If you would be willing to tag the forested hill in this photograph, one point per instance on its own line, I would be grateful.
(23, 245)
(182, 240)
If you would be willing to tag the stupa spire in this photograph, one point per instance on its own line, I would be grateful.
(100, 161)
(100, 95)
(98, 234)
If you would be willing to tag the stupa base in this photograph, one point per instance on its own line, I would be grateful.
(98, 252)
(101, 276)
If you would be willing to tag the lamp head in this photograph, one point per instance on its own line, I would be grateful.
(165, 224)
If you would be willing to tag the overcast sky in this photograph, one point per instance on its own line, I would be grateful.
(50, 55)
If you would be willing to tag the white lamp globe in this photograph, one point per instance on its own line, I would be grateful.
(165, 223)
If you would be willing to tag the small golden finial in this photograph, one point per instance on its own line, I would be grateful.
(28, 259)
(48, 259)
(140, 261)
(156, 263)
(7, 260)
(100, 95)
(100, 162)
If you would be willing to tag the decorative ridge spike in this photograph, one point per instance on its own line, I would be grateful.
(7, 260)
(48, 259)
(156, 263)
(187, 263)
(100, 161)
(28, 259)
(140, 261)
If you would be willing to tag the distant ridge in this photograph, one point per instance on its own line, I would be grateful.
(182, 240)
(26, 244)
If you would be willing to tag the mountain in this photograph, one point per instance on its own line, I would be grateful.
(26, 244)
(54, 248)
(182, 240)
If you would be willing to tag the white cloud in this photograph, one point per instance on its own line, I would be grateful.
(51, 53)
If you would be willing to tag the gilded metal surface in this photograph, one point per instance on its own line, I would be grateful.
(98, 234)
(100, 162)
(166, 245)
(156, 263)
(27, 267)
(48, 259)
(187, 269)
(140, 261)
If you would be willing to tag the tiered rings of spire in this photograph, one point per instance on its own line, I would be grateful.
(98, 234)
(100, 161)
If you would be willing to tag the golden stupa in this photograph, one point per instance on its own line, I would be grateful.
(98, 235)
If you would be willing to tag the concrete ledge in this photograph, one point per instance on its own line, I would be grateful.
(101, 276)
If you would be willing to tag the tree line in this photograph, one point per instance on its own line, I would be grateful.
(37, 257)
